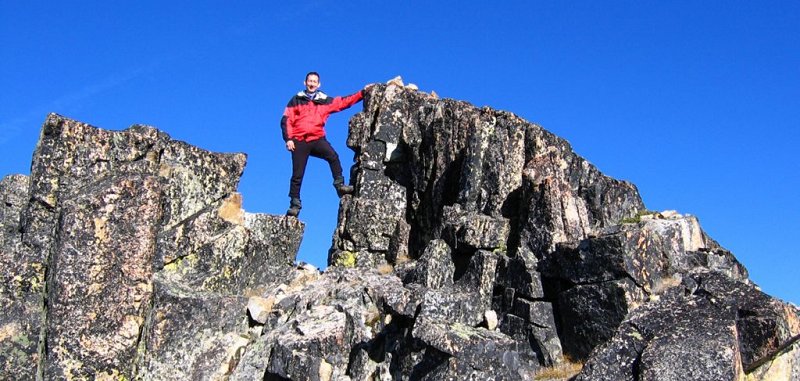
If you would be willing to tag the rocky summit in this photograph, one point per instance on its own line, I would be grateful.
(476, 246)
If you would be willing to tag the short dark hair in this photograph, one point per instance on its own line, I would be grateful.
(312, 73)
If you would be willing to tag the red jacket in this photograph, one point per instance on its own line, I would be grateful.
(304, 119)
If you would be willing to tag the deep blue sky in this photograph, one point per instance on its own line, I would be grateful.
(697, 103)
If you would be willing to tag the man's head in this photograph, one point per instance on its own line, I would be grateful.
(312, 81)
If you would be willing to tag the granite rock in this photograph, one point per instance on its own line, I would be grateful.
(700, 331)
(476, 245)
(21, 286)
(118, 221)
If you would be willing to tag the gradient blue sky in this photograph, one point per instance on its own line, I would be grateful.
(696, 102)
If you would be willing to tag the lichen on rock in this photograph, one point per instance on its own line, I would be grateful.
(100, 214)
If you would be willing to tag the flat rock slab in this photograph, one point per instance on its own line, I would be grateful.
(193, 335)
(490, 352)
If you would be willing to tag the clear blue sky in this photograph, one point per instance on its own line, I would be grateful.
(696, 102)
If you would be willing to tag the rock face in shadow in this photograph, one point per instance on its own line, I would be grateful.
(476, 245)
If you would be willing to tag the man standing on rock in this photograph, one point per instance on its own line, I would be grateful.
(303, 127)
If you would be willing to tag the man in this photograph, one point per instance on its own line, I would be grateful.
(303, 127)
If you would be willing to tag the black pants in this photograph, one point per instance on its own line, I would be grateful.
(318, 148)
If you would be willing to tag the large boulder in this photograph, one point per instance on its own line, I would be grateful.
(606, 277)
(476, 353)
(426, 156)
(483, 182)
(708, 327)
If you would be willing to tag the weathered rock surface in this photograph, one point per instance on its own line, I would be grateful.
(21, 286)
(698, 330)
(192, 335)
(574, 253)
(783, 365)
(133, 231)
(476, 246)
(100, 286)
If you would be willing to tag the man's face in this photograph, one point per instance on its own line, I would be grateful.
(312, 83)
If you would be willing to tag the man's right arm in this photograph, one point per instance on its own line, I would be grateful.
(283, 127)
(287, 122)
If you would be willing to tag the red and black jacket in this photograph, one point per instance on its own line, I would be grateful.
(304, 119)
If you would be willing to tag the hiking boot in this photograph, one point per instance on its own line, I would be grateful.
(294, 207)
(342, 188)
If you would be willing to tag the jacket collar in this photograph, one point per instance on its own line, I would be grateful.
(320, 95)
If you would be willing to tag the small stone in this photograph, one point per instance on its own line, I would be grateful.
(671, 214)
(309, 267)
(325, 371)
(491, 319)
(397, 81)
(260, 308)
(281, 289)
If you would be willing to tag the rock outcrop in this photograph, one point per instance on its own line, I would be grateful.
(127, 254)
(476, 246)
(482, 213)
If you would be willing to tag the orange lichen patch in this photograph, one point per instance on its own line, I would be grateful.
(792, 318)
(385, 269)
(564, 370)
(100, 230)
(231, 209)
(9, 330)
(165, 170)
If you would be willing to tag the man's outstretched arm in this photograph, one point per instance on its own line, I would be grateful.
(342, 103)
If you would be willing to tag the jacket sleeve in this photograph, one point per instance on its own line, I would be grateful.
(342, 103)
(287, 121)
